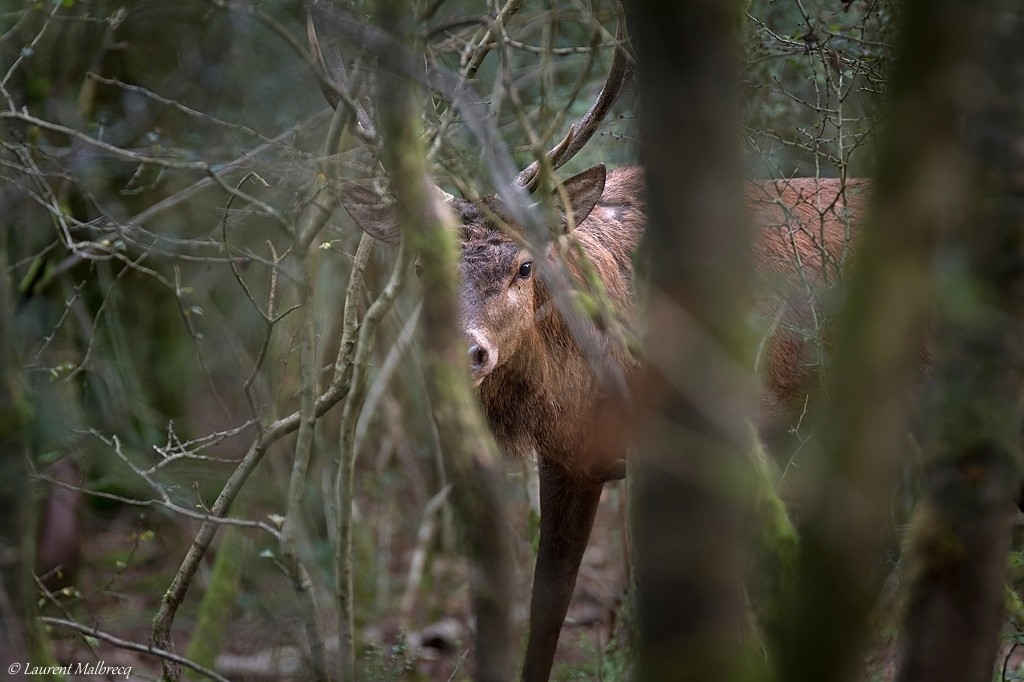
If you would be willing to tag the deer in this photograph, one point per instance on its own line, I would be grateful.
(534, 380)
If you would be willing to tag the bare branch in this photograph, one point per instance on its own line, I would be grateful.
(133, 646)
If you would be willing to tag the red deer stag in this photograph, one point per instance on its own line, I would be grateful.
(536, 379)
(535, 383)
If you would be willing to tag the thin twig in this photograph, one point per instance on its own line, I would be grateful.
(133, 646)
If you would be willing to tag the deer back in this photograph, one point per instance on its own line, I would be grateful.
(805, 238)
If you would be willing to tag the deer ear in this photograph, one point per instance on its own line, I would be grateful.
(584, 191)
(371, 212)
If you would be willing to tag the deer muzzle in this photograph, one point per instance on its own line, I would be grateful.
(483, 356)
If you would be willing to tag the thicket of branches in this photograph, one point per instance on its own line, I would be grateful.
(217, 391)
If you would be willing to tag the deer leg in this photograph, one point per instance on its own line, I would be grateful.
(567, 508)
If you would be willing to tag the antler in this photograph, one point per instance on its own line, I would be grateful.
(581, 132)
(334, 86)
(328, 55)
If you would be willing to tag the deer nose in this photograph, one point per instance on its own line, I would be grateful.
(483, 356)
(477, 357)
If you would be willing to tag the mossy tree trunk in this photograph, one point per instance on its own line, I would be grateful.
(468, 448)
(21, 637)
(217, 609)
(956, 565)
(695, 440)
(862, 434)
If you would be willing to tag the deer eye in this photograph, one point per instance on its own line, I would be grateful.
(525, 270)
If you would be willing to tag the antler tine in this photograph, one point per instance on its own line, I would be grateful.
(581, 132)
(328, 55)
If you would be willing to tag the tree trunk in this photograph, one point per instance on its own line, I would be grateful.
(21, 637)
(863, 431)
(695, 439)
(961, 531)
(469, 451)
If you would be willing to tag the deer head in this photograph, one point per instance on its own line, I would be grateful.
(501, 296)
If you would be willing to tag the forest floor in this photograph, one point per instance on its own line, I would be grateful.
(129, 557)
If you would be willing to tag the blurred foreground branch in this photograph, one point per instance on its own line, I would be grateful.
(695, 440)
(469, 451)
(956, 559)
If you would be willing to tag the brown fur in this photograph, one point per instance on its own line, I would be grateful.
(537, 389)
(543, 395)
(804, 229)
